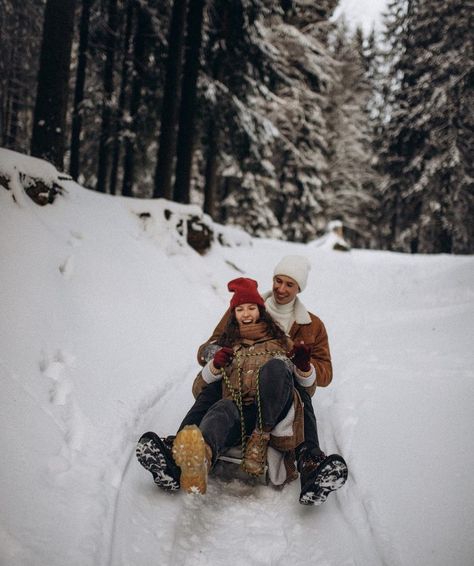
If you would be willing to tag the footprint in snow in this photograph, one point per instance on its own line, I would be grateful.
(76, 239)
(67, 267)
(55, 368)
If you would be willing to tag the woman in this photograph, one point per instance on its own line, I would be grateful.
(258, 407)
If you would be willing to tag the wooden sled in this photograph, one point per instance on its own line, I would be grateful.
(229, 467)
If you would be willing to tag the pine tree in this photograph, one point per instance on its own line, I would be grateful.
(299, 102)
(108, 92)
(352, 177)
(234, 142)
(49, 129)
(139, 64)
(223, 36)
(428, 140)
(79, 89)
(21, 28)
(247, 204)
(119, 116)
(269, 115)
(170, 106)
(188, 105)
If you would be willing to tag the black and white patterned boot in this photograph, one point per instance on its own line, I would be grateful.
(155, 455)
(319, 476)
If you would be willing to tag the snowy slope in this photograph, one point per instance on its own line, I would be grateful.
(101, 317)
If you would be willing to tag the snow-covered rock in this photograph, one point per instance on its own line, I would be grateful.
(333, 239)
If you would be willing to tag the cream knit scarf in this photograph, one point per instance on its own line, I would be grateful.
(283, 314)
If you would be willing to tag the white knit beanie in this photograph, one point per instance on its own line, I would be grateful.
(295, 266)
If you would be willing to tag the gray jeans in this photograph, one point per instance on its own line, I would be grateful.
(221, 426)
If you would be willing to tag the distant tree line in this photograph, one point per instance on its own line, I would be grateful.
(269, 115)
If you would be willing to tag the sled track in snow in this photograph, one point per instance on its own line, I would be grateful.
(260, 524)
(161, 395)
(111, 542)
(358, 511)
(361, 518)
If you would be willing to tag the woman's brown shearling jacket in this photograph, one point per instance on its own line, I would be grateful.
(249, 356)
(313, 333)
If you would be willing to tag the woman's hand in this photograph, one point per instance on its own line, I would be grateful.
(223, 357)
(300, 355)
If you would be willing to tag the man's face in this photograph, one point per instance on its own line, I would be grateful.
(284, 289)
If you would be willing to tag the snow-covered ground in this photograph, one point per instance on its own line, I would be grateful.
(101, 314)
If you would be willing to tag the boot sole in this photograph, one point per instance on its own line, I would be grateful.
(189, 453)
(151, 457)
(331, 476)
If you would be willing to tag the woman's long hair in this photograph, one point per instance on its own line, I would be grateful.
(231, 334)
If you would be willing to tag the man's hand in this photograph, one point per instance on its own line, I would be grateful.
(300, 355)
(223, 357)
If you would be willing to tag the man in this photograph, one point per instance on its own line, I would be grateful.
(319, 474)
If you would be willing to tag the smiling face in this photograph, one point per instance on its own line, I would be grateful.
(285, 289)
(247, 313)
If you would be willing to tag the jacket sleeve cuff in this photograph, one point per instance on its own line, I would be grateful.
(207, 374)
(306, 380)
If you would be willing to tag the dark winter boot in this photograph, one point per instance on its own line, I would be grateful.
(319, 476)
(154, 454)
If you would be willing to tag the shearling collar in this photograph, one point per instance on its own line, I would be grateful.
(301, 314)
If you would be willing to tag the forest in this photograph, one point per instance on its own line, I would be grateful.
(269, 114)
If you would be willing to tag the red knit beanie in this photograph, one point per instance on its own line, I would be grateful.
(245, 291)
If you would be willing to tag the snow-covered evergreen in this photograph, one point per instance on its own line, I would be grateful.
(278, 85)
(427, 144)
(349, 194)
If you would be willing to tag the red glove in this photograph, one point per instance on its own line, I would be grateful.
(301, 356)
(222, 357)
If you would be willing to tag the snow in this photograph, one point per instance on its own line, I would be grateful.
(102, 312)
(366, 14)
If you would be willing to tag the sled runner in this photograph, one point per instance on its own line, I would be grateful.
(229, 467)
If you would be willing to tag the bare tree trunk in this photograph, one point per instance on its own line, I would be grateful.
(12, 90)
(214, 128)
(212, 166)
(122, 100)
(187, 119)
(79, 89)
(14, 117)
(135, 99)
(5, 114)
(213, 140)
(10, 78)
(170, 106)
(51, 99)
(108, 93)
